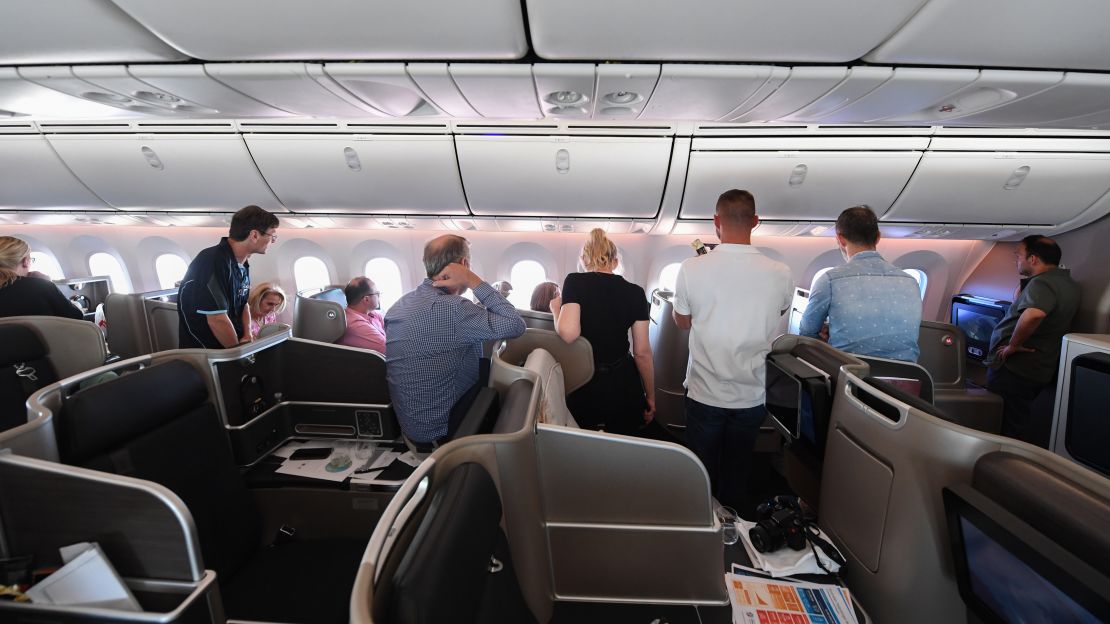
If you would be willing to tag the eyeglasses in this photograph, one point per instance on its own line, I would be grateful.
(373, 292)
(272, 235)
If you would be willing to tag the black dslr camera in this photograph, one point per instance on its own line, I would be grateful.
(779, 522)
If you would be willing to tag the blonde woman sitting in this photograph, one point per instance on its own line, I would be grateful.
(266, 302)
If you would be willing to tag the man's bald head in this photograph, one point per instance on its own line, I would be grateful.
(443, 250)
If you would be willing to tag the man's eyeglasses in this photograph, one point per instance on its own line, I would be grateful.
(272, 235)
(373, 292)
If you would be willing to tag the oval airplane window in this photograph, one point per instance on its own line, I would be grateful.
(922, 279)
(387, 279)
(45, 262)
(310, 272)
(171, 269)
(101, 263)
(669, 275)
(525, 276)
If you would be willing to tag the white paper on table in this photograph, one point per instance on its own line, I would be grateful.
(410, 459)
(751, 595)
(292, 446)
(87, 579)
(317, 468)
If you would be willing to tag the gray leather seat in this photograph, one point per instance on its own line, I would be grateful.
(319, 314)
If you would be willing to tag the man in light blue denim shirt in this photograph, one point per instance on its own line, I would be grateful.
(873, 307)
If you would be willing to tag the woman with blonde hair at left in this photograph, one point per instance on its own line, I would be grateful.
(21, 295)
(601, 306)
(266, 301)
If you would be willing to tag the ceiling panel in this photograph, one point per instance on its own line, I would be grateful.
(623, 90)
(565, 90)
(994, 90)
(910, 89)
(1076, 95)
(713, 30)
(191, 84)
(706, 92)
(62, 79)
(34, 32)
(299, 88)
(498, 91)
(1001, 33)
(23, 97)
(385, 86)
(435, 80)
(804, 86)
(273, 30)
(859, 82)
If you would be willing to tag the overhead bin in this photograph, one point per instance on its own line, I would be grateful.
(713, 30)
(799, 178)
(32, 177)
(564, 176)
(1023, 187)
(78, 31)
(364, 174)
(195, 172)
(271, 30)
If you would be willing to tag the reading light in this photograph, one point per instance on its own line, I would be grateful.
(622, 97)
(565, 98)
(152, 158)
(798, 175)
(106, 98)
(351, 156)
(562, 161)
(566, 111)
(155, 97)
(1016, 178)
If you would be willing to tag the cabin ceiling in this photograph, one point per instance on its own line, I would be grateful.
(991, 63)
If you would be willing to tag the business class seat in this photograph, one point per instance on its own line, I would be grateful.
(537, 320)
(39, 350)
(454, 564)
(170, 434)
(141, 323)
(319, 314)
(944, 355)
(887, 460)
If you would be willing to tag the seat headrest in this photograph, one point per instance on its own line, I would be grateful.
(442, 575)
(21, 344)
(1067, 513)
(332, 294)
(105, 416)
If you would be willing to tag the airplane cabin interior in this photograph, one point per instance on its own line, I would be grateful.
(271, 482)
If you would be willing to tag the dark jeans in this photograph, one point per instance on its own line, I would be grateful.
(1019, 418)
(724, 441)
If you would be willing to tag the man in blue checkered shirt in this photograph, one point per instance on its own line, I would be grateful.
(434, 340)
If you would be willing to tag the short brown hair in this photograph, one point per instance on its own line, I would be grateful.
(356, 289)
(859, 225)
(250, 219)
(737, 207)
(542, 295)
(1044, 248)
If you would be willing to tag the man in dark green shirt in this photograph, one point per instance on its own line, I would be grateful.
(1025, 345)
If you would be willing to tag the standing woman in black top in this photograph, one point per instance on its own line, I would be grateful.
(28, 296)
(601, 307)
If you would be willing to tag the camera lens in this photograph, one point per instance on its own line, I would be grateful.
(760, 539)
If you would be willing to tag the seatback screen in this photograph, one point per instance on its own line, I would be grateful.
(978, 323)
(1088, 427)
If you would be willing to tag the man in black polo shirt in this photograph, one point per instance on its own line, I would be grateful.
(212, 299)
(1025, 345)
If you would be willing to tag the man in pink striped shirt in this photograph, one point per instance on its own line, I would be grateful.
(365, 325)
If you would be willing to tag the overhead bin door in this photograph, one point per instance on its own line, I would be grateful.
(799, 185)
(32, 177)
(409, 175)
(1002, 187)
(202, 172)
(564, 176)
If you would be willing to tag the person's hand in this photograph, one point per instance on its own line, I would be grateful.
(456, 275)
(1005, 352)
(649, 413)
(556, 303)
(824, 333)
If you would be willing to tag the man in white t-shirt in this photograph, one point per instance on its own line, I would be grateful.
(731, 300)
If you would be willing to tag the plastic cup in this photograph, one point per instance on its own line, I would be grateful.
(730, 530)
